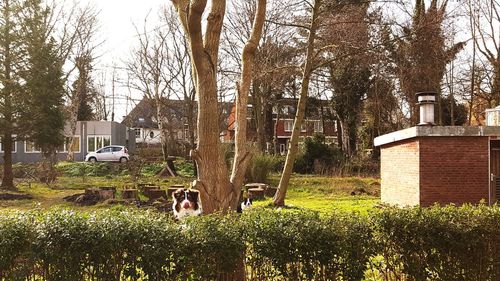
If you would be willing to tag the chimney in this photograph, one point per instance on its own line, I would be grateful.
(426, 101)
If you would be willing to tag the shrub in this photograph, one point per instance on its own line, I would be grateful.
(441, 243)
(317, 156)
(303, 246)
(434, 243)
(262, 165)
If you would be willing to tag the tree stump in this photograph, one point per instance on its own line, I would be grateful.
(154, 194)
(105, 194)
(256, 193)
(130, 194)
(91, 191)
(147, 188)
(256, 185)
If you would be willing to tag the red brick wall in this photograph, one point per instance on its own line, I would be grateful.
(453, 170)
(400, 167)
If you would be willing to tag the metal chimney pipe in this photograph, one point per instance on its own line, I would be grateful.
(426, 101)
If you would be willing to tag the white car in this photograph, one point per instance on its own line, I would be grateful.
(112, 153)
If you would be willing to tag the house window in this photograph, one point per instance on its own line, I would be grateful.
(186, 134)
(67, 142)
(13, 146)
(288, 125)
(151, 135)
(97, 142)
(31, 147)
(137, 133)
(318, 126)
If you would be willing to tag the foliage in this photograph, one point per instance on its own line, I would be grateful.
(459, 111)
(441, 243)
(450, 243)
(185, 168)
(262, 165)
(318, 157)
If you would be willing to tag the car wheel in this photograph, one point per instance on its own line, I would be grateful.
(92, 159)
(123, 160)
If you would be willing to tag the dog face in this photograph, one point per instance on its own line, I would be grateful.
(247, 203)
(186, 203)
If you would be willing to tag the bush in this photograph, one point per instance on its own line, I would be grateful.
(317, 156)
(441, 243)
(262, 165)
(303, 246)
(434, 243)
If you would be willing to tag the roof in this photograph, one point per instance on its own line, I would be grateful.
(144, 113)
(437, 131)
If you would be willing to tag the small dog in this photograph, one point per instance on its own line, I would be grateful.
(187, 203)
(245, 204)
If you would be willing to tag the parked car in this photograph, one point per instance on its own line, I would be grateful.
(112, 153)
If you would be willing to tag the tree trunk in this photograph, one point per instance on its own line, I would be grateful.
(8, 175)
(218, 192)
(7, 91)
(279, 198)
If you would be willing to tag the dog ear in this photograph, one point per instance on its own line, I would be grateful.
(195, 194)
(177, 195)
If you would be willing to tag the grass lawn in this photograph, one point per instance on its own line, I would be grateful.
(319, 193)
(329, 194)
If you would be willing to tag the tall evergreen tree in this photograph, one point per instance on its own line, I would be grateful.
(44, 84)
(11, 96)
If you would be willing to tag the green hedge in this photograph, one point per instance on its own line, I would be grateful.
(393, 244)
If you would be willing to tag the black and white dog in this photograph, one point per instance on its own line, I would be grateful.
(187, 203)
(245, 202)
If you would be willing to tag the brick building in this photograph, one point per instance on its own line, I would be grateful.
(434, 164)
(278, 123)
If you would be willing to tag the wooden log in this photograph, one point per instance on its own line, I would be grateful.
(130, 194)
(256, 193)
(91, 191)
(106, 194)
(154, 194)
(113, 188)
(147, 188)
(256, 185)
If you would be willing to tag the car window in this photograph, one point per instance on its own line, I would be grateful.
(105, 150)
(116, 149)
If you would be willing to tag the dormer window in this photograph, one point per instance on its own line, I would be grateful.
(141, 119)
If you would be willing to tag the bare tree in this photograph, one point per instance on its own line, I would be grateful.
(151, 72)
(279, 197)
(483, 20)
(218, 191)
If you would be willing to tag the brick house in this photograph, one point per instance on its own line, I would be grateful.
(426, 165)
(280, 123)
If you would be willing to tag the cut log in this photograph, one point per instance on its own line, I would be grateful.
(256, 193)
(154, 194)
(105, 194)
(130, 194)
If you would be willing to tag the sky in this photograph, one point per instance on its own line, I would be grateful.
(117, 19)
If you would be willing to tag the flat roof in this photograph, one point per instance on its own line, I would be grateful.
(437, 131)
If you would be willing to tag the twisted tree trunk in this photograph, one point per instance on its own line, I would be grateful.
(218, 191)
